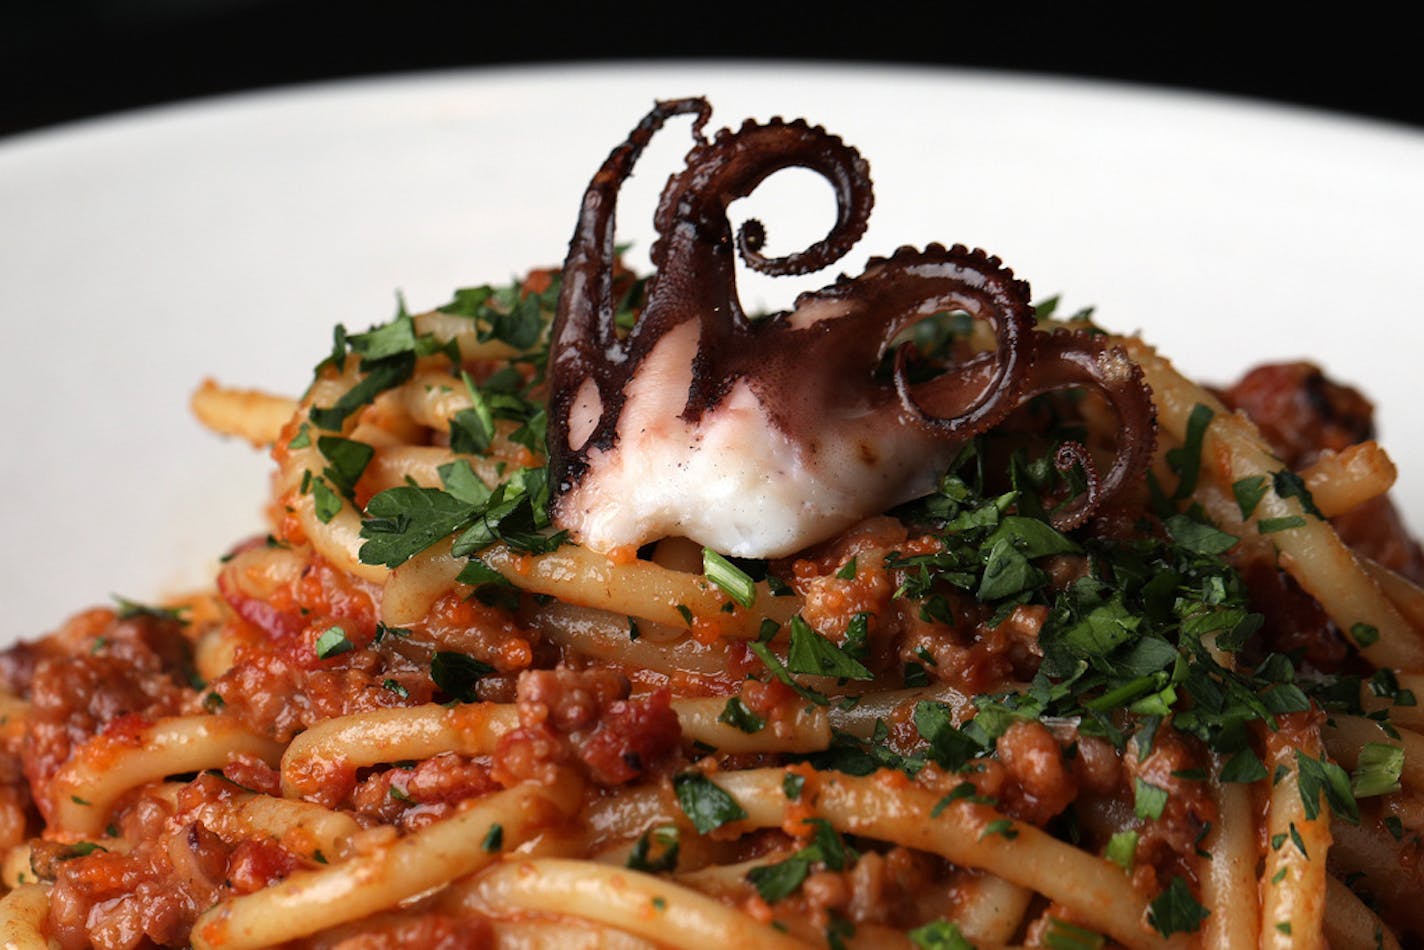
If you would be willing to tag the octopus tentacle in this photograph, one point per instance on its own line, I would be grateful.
(845, 330)
(695, 276)
(1071, 455)
(978, 284)
(731, 166)
(586, 296)
(1068, 360)
(583, 343)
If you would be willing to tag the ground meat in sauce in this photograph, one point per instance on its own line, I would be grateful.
(1165, 844)
(773, 701)
(279, 685)
(127, 670)
(15, 802)
(178, 868)
(1300, 411)
(277, 698)
(1295, 623)
(897, 888)
(1376, 530)
(412, 797)
(586, 721)
(1040, 783)
(971, 655)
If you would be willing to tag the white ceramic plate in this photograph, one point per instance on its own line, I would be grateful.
(224, 238)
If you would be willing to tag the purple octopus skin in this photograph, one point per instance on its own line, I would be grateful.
(761, 437)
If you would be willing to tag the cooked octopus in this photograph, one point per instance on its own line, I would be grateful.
(762, 436)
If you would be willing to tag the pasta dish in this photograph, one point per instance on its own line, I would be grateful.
(596, 612)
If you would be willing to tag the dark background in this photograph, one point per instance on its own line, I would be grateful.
(67, 59)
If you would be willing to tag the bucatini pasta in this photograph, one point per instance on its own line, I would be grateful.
(595, 613)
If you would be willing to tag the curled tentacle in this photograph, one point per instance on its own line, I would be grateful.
(1071, 455)
(732, 165)
(843, 331)
(751, 238)
(1067, 360)
(1003, 302)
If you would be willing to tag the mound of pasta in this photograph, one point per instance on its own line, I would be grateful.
(593, 612)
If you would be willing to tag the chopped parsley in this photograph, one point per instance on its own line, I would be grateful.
(1248, 493)
(736, 714)
(302, 439)
(779, 670)
(333, 642)
(666, 840)
(855, 756)
(1062, 935)
(455, 674)
(1186, 461)
(814, 655)
(130, 609)
(477, 573)
(1364, 634)
(325, 502)
(1198, 536)
(914, 674)
(706, 804)
(388, 353)
(1290, 485)
(1122, 850)
(381, 375)
(506, 314)
(1298, 841)
(405, 520)
(776, 882)
(1175, 910)
(347, 460)
(963, 792)
(494, 839)
(1244, 767)
(949, 747)
(1137, 631)
(733, 581)
(837, 930)
(1148, 800)
(1377, 771)
(1319, 777)
(939, 935)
